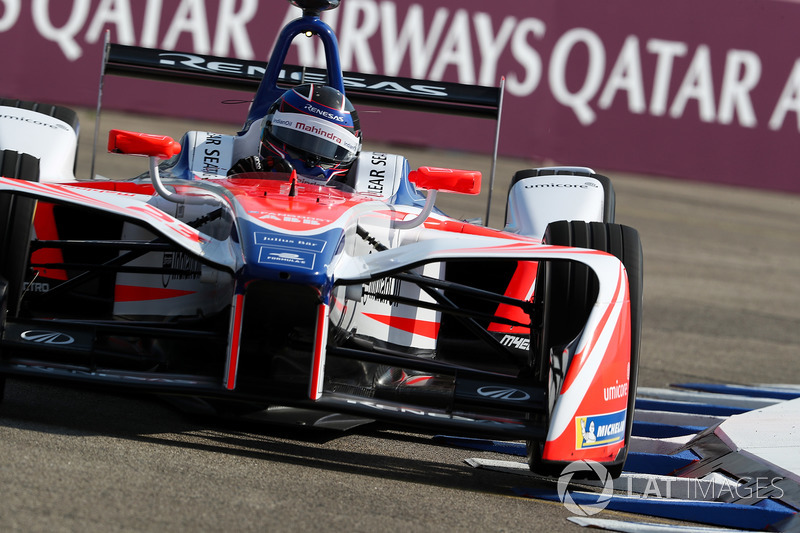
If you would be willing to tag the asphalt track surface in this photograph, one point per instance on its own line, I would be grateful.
(721, 305)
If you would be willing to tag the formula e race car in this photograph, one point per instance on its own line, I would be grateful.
(261, 289)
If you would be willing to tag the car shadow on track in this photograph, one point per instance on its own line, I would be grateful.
(375, 450)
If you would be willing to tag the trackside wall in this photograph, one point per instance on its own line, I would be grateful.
(699, 89)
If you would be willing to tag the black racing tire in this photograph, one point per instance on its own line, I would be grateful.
(62, 113)
(16, 225)
(3, 291)
(567, 292)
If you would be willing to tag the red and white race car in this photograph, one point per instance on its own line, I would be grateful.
(258, 289)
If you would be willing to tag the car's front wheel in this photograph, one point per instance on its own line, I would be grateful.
(567, 291)
(16, 224)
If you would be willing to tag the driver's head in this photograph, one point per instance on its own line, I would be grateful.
(315, 128)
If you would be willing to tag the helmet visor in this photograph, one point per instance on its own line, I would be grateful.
(315, 136)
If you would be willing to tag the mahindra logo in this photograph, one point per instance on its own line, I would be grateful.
(47, 337)
(504, 393)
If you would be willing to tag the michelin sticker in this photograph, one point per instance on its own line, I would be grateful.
(599, 430)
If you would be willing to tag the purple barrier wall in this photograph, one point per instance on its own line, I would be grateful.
(699, 89)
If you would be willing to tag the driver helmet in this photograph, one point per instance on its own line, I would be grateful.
(315, 128)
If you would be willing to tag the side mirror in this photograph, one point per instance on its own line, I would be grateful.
(155, 147)
(446, 180)
(436, 179)
(135, 143)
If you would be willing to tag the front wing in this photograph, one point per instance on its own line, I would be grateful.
(556, 395)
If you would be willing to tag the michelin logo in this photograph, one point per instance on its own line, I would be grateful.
(599, 430)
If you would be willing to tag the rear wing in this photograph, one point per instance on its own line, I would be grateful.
(245, 75)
